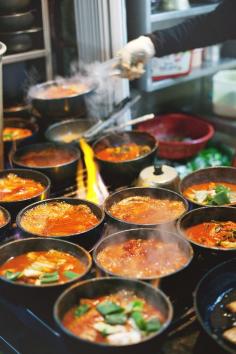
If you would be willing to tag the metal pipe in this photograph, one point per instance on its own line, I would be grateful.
(3, 49)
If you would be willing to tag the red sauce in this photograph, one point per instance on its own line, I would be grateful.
(146, 210)
(11, 133)
(58, 219)
(2, 218)
(42, 267)
(221, 234)
(14, 188)
(85, 326)
(48, 157)
(61, 91)
(140, 258)
(123, 152)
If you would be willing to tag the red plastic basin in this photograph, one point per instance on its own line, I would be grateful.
(178, 125)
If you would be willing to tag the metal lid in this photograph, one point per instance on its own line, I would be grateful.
(157, 176)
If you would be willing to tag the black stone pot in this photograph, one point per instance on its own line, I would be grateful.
(157, 193)
(64, 107)
(172, 281)
(17, 21)
(39, 298)
(22, 41)
(6, 226)
(11, 146)
(208, 296)
(61, 176)
(86, 239)
(118, 174)
(100, 287)
(210, 255)
(15, 206)
(206, 175)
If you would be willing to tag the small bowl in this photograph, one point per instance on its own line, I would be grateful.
(6, 226)
(19, 123)
(15, 206)
(118, 174)
(207, 214)
(64, 107)
(98, 287)
(157, 193)
(55, 132)
(144, 234)
(86, 239)
(37, 293)
(62, 175)
(180, 125)
(206, 175)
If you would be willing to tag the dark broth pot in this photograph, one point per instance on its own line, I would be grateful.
(14, 206)
(5, 223)
(58, 161)
(87, 238)
(216, 175)
(140, 257)
(23, 124)
(95, 288)
(215, 290)
(61, 107)
(159, 194)
(211, 253)
(123, 173)
(38, 296)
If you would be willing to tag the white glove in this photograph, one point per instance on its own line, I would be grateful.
(134, 55)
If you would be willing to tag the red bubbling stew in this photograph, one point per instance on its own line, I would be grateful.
(220, 234)
(58, 219)
(118, 319)
(2, 218)
(146, 210)
(13, 133)
(14, 188)
(123, 152)
(46, 157)
(142, 258)
(42, 267)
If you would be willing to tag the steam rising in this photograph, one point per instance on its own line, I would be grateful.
(97, 77)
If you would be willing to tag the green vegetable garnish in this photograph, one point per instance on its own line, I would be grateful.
(8, 136)
(108, 307)
(221, 198)
(133, 306)
(71, 275)
(12, 275)
(81, 310)
(116, 318)
(153, 325)
(139, 320)
(49, 278)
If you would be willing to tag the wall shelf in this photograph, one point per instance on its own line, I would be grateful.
(206, 70)
(37, 53)
(33, 54)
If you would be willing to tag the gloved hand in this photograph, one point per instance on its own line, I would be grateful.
(134, 55)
